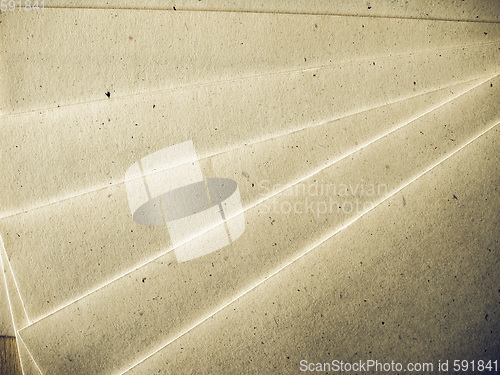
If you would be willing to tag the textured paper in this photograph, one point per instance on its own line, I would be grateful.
(6, 327)
(463, 10)
(73, 151)
(154, 308)
(486, 10)
(18, 316)
(92, 239)
(59, 57)
(413, 281)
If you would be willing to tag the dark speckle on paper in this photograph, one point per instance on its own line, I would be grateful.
(108, 94)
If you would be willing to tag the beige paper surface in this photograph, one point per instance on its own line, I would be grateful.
(80, 82)
(486, 10)
(413, 281)
(73, 151)
(17, 315)
(123, 52)
(155, 308)
(6, 327)
(90, 240)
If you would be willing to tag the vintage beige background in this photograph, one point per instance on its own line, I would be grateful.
(362, 93)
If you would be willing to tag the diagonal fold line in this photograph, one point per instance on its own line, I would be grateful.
(318, 243)
(18, 337)
(2, 249)
(11, 310)
(257, 76)
(29, 353)
(307, 127)
(263, 200)
(271, 12)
